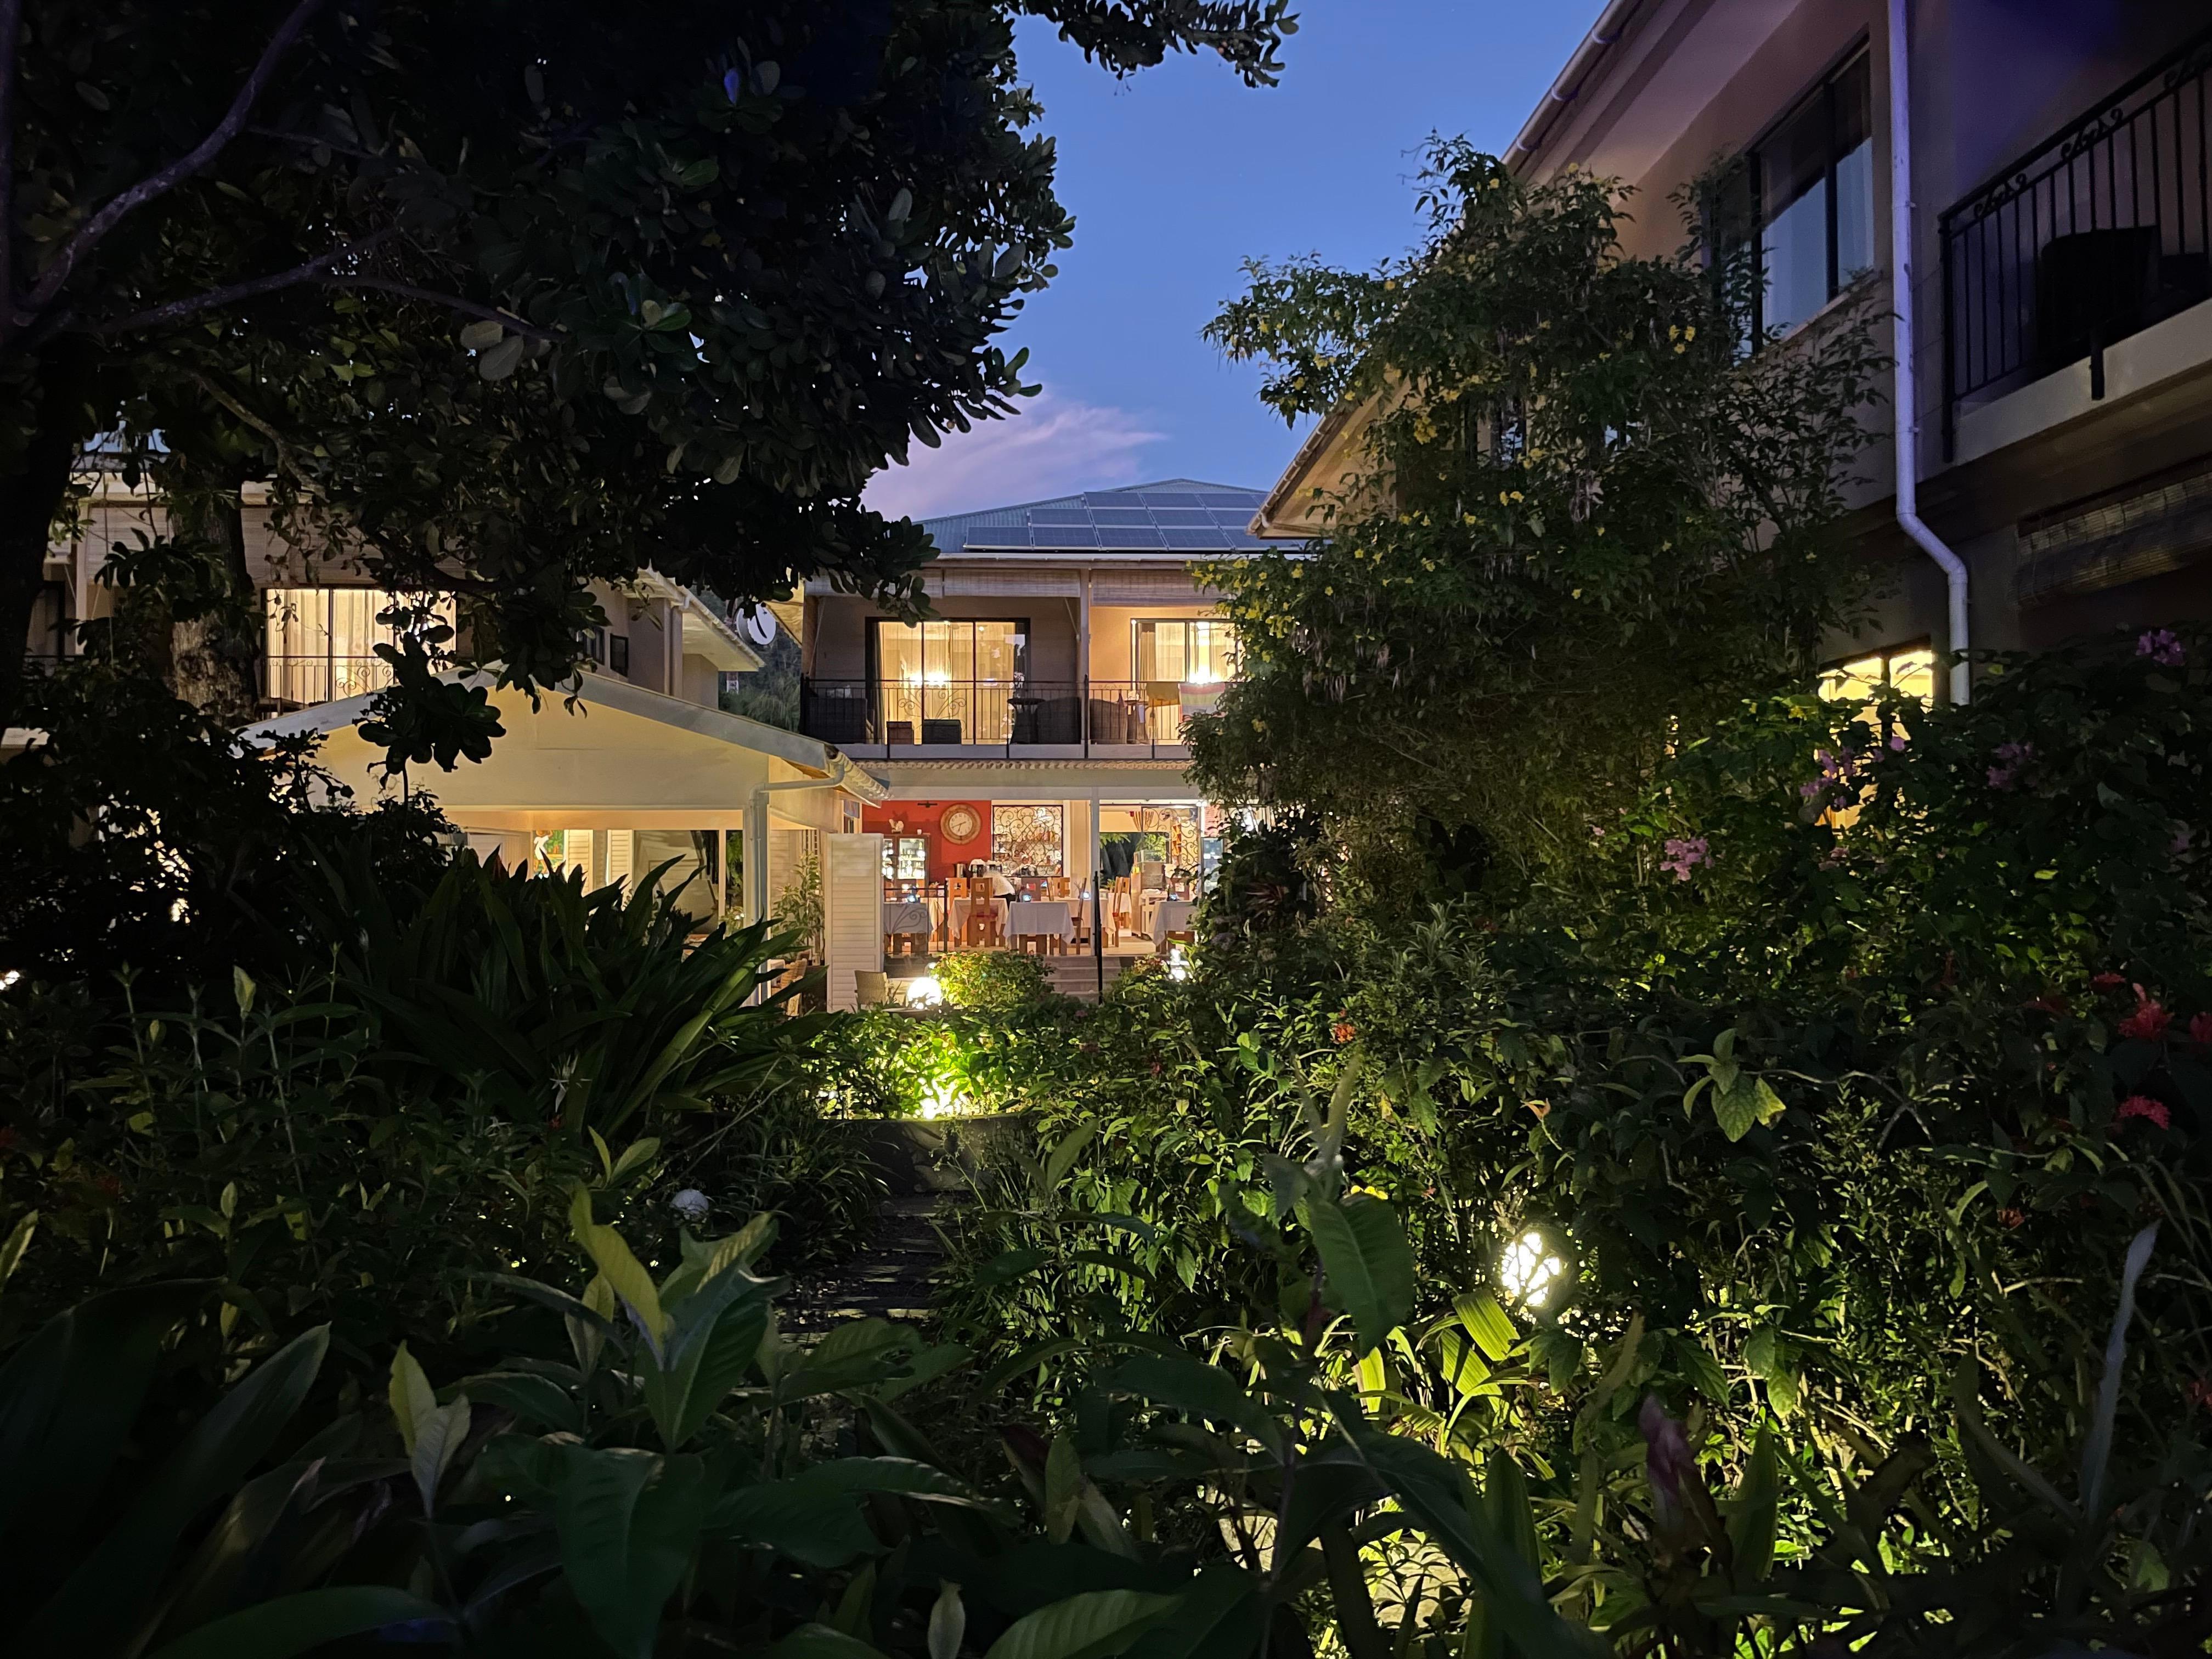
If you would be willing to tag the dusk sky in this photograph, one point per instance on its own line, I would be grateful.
(1179, 173)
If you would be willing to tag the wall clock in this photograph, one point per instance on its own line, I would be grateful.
(961, 823)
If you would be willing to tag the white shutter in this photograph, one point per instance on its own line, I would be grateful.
(622, 855)
(576, 855)
(853, 912)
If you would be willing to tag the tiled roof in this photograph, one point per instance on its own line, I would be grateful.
(1176, 515)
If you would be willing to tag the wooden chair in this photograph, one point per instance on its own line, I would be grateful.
(870, 989)
(983, 926)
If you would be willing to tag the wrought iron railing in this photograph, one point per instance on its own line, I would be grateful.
(297, 682)
(1115, 715)
(2099, 232)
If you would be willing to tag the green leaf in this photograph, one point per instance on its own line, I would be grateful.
(637, 1153)
(1757, 1504)
(1435, 1492)
(438, 1440)
(297, 1623)
(1063, 1488)
(1185, 1384)
(682, 1396)
(948, 1623)
(414, 1401)
(1369, 1265)
(629, 1521)
(17, 1242)
(1004, 1268)
(1062, 1157)
(483, 336)
(624, 1273)
(107, 1594)
(855, 1353)
(1747, 1101)
(1486, 1323)
(1088, 1626)
(822, 1642)
(1223, 1615)
(501, 359)
(535, 1400)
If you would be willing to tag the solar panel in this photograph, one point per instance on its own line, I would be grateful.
(1170, 517)
(1247, 500)
(1041, 515)
(1209, 541)
(996, 535)
(1131, 538)
(1068, 538)
(1151, 498)
(1126, 517)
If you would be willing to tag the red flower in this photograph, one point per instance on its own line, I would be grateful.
(2012, 1217)
(2143, 1106)
(2149, 1021)
(2200, 1031)
(1342, 1032)
(2199, 1392)
(2105, 982)
(1158, 1068)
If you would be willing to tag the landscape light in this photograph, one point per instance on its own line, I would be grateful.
(924, 993)
(1178, 969)
(941, 1098)
(1531, 1270)
(10, 980)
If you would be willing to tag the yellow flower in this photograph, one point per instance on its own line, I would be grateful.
(1517, 495)
(1390, 282)
(1690, 333)
(1601, 529)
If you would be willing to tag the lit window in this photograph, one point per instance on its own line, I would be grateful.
(321, 641)
(1910, 671)
(1192, 651)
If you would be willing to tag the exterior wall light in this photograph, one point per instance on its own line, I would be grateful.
(1531, 1272)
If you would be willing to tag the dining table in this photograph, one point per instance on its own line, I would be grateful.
(1170, 916)
(1054, 918)
(909, 916)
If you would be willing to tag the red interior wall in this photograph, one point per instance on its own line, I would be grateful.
(921, 818)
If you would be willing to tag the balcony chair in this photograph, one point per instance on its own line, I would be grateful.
(934, 731)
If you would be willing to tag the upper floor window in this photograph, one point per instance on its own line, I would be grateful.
(1812, 182)
(321, 641)
(1193, 651)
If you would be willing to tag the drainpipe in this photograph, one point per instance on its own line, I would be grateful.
(757, 828)
(1905, 397)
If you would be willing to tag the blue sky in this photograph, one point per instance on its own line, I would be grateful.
(1175, 176)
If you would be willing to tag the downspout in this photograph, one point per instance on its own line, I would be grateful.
(1905, 397)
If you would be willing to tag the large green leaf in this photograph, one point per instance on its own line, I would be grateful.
(112, 1585)
(1369, 1265)
(1189, 1385)
(1751, 1525)
(628, 1523)
(1223, 1616)
(1436, 1492)
(816, 1516)
(68, 1398)
(703, 1370)
(1088, 1626)
(822, 1642)
(298, 1624)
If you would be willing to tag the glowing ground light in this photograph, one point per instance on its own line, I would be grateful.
(1178, 969)
(942, 1098)
(1531, 1270)
(11, 979)
(925, 993)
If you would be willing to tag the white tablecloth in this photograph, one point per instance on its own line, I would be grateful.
(1050, 917)
(909, 916)
(1171, 916)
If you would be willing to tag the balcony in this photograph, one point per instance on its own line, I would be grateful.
(298, 681)
(2098, 233)
(1113, 719)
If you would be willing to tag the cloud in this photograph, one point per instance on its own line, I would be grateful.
(1054, 446)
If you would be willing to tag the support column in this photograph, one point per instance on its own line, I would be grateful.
(1083, 665)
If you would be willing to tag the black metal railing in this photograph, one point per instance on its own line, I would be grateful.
(299, 682)
(1115, 715)
(2099, 232)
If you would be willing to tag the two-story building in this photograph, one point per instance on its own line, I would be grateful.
(1035, 722)
(2040, 173)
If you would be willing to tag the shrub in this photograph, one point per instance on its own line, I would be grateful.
(992, 980)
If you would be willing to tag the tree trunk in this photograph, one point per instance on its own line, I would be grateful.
(61, 420)
(214, 657)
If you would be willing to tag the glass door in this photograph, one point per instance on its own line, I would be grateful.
(948, 682)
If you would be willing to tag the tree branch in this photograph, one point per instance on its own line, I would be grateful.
(222, 396)
(507, 320)
(315, 270)
(155, 185)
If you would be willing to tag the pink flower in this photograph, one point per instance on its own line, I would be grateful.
(1666, 1458)
(2200, 1031)
(2012, 759)
(2106, 980)
(2143, 1106)
(1685, 854)
(2149, 1020)
(1897, 742)
(2162, 646)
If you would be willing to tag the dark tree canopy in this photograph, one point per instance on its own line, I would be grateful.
(509, 297)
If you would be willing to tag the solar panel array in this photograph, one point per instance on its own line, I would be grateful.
(1177, 516)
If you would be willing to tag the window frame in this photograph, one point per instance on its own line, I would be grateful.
(1822, 88)
(1138, 624)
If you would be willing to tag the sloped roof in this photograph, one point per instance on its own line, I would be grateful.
(1175, 516)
